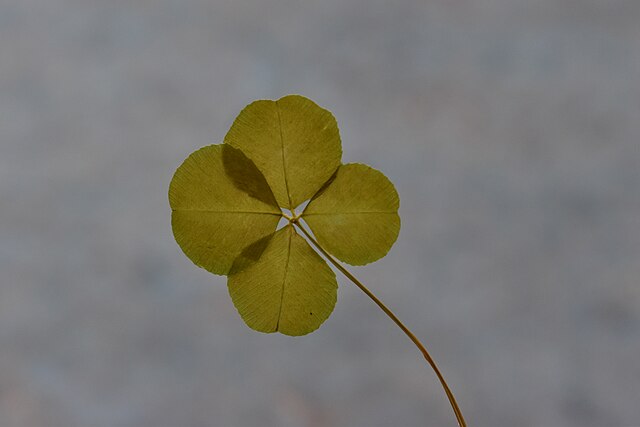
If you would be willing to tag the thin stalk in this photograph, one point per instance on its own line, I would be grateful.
(388, 312)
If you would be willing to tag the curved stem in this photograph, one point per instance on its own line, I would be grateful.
(412, 337)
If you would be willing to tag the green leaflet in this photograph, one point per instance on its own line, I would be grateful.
(355, 217)
(214, 217)
(294, 142)
(289, 289)
(226, 200)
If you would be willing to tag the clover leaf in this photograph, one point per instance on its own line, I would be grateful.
(213, 217)
(355, 217)
(227, 201)
(290, 289)
(294, 143)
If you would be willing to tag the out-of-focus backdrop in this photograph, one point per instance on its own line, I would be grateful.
(511, 129)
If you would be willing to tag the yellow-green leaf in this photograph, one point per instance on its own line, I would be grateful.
(294, 142)
(289, 289)
(355, 216)
(220, 204)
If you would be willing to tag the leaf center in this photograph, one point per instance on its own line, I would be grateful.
(291, 216)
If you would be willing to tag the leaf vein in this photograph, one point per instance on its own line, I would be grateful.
(284, 165)
(227, 212)
(351, 213)
(284, 279)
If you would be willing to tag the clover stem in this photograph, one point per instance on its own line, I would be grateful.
(388, 312)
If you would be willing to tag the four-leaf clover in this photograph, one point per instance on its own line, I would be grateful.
(228, 199)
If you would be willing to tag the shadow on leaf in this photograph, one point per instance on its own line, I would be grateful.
(245, 175)
(324, 187)
(251, 254)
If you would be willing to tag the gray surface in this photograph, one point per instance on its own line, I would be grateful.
(511, 129)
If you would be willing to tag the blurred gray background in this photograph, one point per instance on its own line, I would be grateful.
(511, 129)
